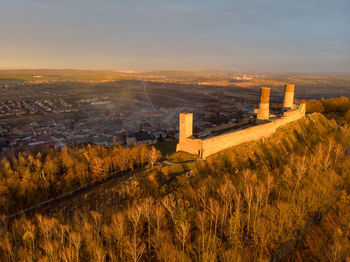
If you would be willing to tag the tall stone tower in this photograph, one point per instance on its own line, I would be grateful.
(288, 96)
(185, 126)
(264, 109)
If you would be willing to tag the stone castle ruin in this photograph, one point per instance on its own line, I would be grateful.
(265, 125)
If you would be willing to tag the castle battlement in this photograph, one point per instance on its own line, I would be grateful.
(206, 146)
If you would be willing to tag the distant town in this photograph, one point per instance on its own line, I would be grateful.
(124, 128)
(55, 109)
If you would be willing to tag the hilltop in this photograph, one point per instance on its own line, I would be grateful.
(246, 202)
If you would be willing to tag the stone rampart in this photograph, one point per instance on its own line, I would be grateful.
(207, 146)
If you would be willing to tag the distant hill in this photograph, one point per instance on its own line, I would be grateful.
(63, 75)
(91, 75)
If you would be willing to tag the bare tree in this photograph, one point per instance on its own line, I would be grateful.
(328, 153)
(203, 195)
(99, 253)
(201, 222)
(75, 239)
(135, 248)
(170, 205)
(269, 186)
(260, 193)
(66, 253)
(214, 214)
(158, 218)
(118, 226)
(51, 250)
(147, 209)
(339, 153)
(7, 247)
(226, 192)
(153, 156)
(96, 220)
(248, 195)
(62, 231)
(29, 235)
(182, 233)
(134, 215)
(236, 219)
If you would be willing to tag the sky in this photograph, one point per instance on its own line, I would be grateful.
(307, 36)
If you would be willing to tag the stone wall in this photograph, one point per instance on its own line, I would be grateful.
(208, 146)
(192, 146)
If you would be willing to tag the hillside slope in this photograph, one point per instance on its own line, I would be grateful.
(242, 204)
(329, 239)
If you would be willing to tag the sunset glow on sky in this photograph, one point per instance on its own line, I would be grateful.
(269, 35)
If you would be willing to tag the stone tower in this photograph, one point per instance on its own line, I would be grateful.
(288, 97)
(185, 126)
(264, 111)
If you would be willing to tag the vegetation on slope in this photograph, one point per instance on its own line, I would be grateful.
(337, 108)
(27, 179)
(328, 240)
(241, 204)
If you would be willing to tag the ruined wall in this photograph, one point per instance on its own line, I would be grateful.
(191, 145)
(186, 128)
(208, 146)
(264, 104)
(288, 102)
(218, 143)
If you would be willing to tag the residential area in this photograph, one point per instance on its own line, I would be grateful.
(125, 128)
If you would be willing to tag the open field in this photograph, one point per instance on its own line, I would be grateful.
(192, 90)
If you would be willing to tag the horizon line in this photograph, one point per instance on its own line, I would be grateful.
(133, 71)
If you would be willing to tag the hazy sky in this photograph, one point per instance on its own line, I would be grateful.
(248, 35)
